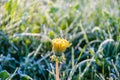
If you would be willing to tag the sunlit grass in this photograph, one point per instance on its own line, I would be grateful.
(27, 28)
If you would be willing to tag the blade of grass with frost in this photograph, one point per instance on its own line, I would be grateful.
(78, 44)
(99, 77)
(49, 19)
(82, 51)
(116, 70)
(37, 50)
(109, 33)
(43, 74)
(85, 35)
(72, 56)
(103, 68)
(76, 66)
(77, 18)
(46, 61)
(101, 47)
(13, 74)
(88, 65)
(46, 56)
(11, 43)
(80, 72)
(27, 58)
(31, 34)
(53, 71)
(93, 42)
(96, 29)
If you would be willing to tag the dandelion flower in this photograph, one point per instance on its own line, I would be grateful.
(59, 45)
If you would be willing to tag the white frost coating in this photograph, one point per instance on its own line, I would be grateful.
(101, 47)
(96, 29)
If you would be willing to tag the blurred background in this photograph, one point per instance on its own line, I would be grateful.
(28, 26)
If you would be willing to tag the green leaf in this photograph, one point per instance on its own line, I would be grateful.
(4, 75)
(26, 77)
(53, 10)
(51, 34)
(11, 7)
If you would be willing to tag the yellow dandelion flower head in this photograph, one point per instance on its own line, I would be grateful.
(59, 45)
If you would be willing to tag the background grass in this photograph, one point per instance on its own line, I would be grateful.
(28, 26)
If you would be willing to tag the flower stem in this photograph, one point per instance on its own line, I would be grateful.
(57, 71)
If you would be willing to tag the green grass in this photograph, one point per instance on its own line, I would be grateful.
(28, 26)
